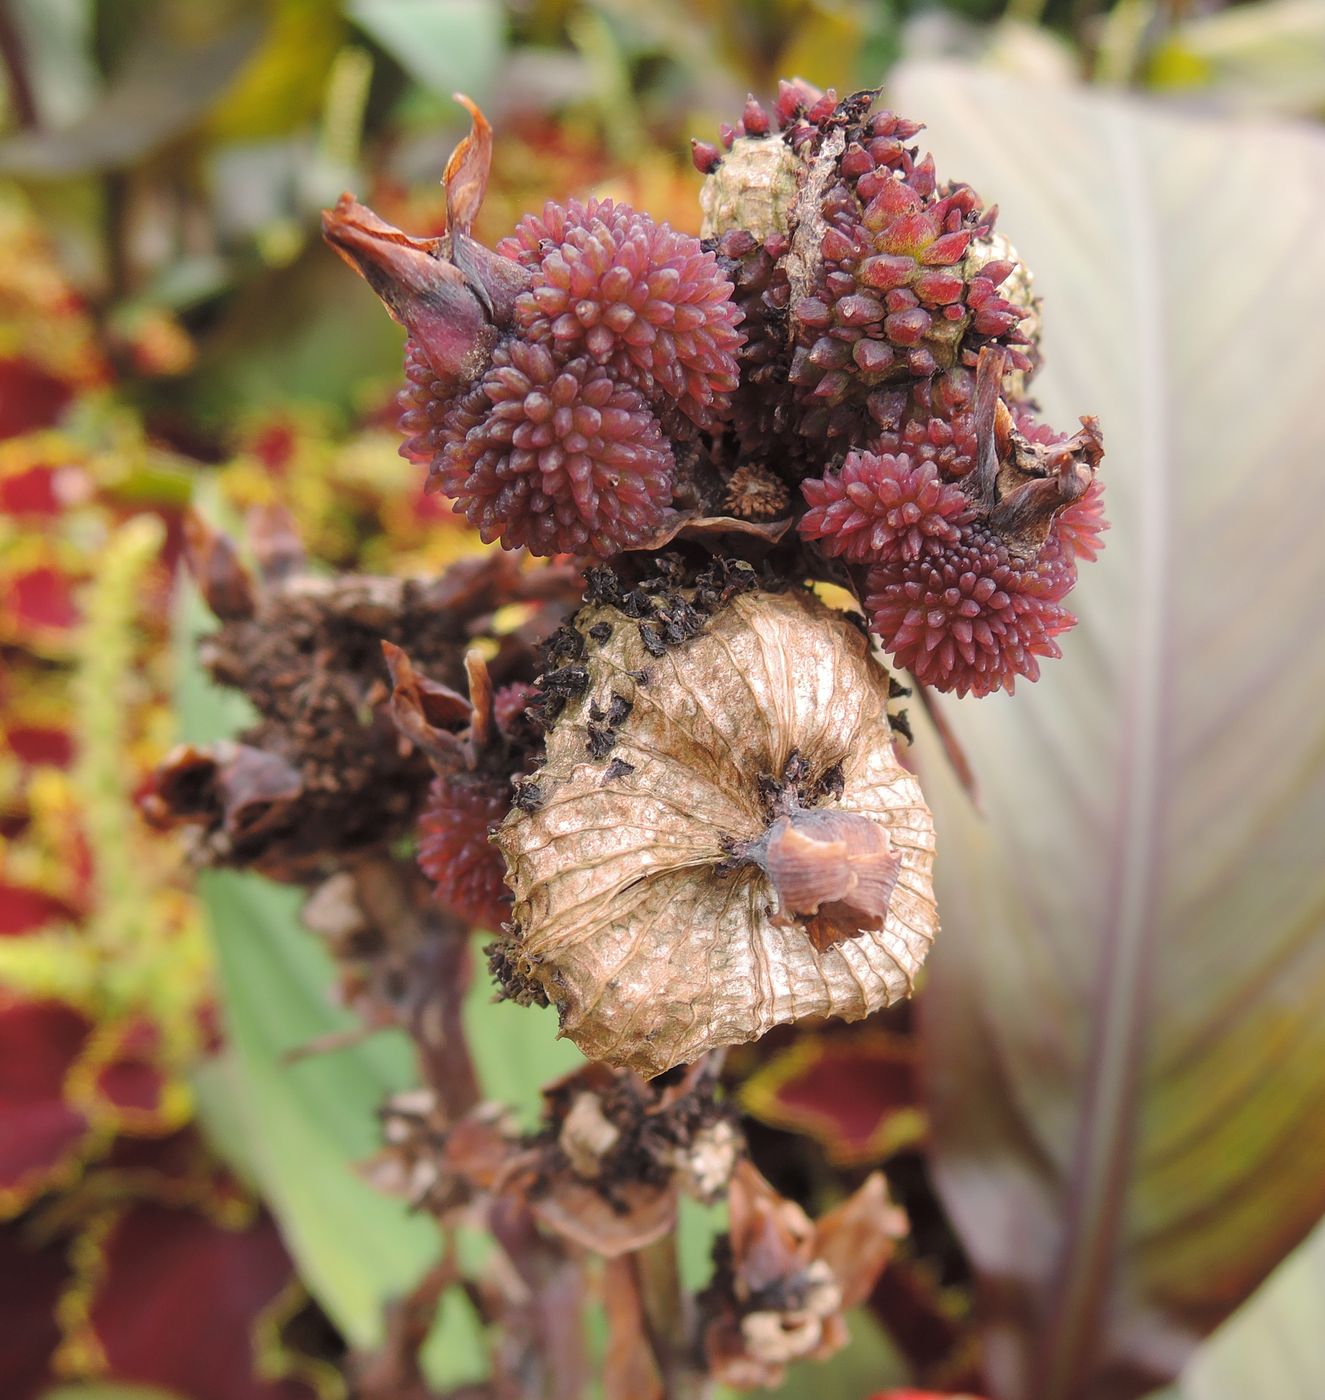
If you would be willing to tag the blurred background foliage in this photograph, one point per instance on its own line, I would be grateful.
(173, 332)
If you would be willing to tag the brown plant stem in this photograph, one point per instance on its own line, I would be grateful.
(669, 1321)
(393, 1371)
(540, 1353)
(395, 899)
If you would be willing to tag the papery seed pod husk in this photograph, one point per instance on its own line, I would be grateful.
(634, 912)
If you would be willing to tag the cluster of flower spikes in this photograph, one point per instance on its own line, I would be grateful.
(465, 805)
(968, 529)
(880, 277)
(870, 296)
(548, 378)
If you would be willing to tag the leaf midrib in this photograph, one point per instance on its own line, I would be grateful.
(1069, 1344)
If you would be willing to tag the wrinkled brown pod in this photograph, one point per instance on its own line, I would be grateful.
(644, 904)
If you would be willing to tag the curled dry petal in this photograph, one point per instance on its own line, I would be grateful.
(422, 708)
(684, 525)
(441, 308)
(635, 910)
(466, 175)
(246, 791)
(784, 1281)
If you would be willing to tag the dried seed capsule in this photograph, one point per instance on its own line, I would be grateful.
(878, 277)
(763, 858)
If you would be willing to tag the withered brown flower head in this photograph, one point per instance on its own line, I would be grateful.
(784, 1281)
(724, 839)
(324, 773)
(604, 1172)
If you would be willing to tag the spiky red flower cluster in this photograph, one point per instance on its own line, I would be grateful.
(1080, 526)
(933, 421)
(968, 617)
(903, 276)
(646, 302)
(454, 850)
(565, 458)
(899, 295)
(971, 527)
(889, 383)
(559, 447)
(433, 415)
(851, 325)
(883, 506)
(541, 375)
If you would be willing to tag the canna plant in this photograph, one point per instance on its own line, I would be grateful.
(650, 744)
(604, 684)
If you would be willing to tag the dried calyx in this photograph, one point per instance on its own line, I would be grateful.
(847, 352)
(604, 1172)
(325, 774)
(322, 772)
(783, 1282)
(721, 838)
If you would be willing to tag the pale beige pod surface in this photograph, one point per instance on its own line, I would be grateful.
(628, 911)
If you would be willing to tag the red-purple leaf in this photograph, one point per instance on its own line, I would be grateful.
(43, 1135)
(33, 1274)
(856, 1093)
(181, 1302)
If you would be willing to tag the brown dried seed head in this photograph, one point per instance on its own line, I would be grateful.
(648, 899)
(754, 493)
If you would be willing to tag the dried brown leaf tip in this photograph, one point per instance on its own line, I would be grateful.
(783, 1281)
(725, 840)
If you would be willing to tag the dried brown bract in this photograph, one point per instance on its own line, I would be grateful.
(745, 851)
(784, 1281)
(608, 1171)
(604, 1173)
(438, 1163)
